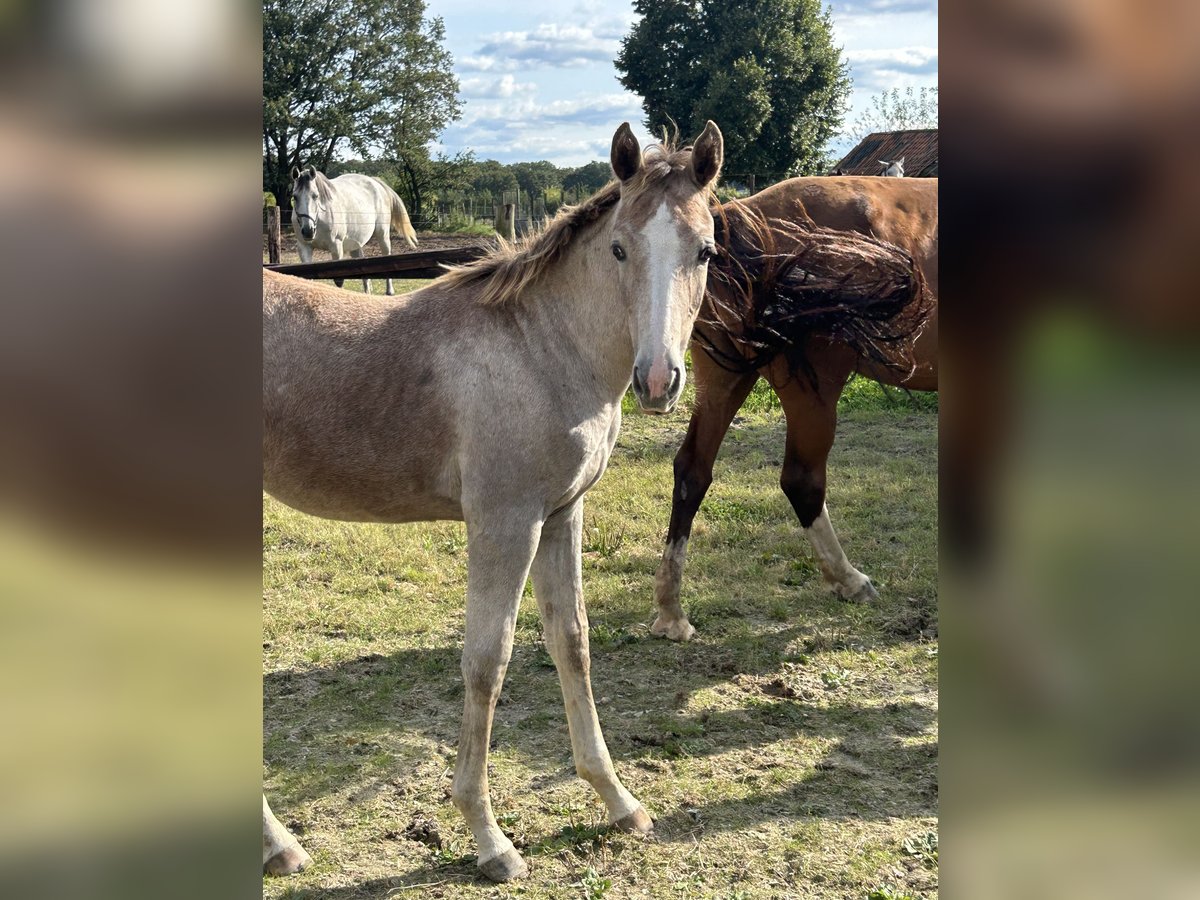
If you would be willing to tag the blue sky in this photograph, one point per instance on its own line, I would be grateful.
(538, 80)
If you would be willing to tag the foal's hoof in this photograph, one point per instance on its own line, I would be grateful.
(637, 822)
(673, 629)
(865, 594)
(288, 861)
(505, 867)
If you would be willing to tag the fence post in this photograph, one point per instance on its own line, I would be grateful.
(274, 240)
(751, 185)
(508, 226)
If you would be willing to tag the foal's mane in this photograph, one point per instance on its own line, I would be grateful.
(505, 273)
(323, 185)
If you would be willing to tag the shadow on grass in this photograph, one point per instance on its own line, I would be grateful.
(868, 769)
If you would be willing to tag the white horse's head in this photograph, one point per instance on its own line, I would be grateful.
(311, 197)
(893, 169)
(662, 239)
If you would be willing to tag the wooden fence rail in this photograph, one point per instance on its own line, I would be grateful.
(420, 264)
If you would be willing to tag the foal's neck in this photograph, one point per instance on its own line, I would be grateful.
(580, 298)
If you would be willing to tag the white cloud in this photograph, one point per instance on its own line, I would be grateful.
(883, 69)
(556, 46)
(502, 87)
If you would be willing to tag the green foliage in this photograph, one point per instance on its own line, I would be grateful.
(767, 73)
(896, 111)
(269, 199)
(422, 178)
(536, 177)
(594, 885)
(367, 74)
(887, 892)
(493, 178)
(588, 179)
(923, 846)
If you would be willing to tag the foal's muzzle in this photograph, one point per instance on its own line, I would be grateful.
(666, 399)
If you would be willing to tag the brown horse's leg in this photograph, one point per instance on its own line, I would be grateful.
(811, 427)
(558, 586)
(719, 395)
(499, 552)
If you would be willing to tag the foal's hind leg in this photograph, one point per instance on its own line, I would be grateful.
(282, 853)
(811, 427)
(719, 395)
(498, 557)
(558, 585)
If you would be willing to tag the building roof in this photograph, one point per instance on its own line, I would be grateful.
(918, 146)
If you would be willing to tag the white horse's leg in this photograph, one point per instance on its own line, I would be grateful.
(498, 558)
(385, 241)
(558, 585)
(357, 253)
(840, 576)
(335, 252)
(282, 853)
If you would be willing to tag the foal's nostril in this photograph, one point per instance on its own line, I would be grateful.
(638, 387)
(676, 374)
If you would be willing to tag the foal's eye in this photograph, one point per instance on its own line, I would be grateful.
(618, 251)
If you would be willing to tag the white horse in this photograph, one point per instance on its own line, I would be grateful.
(341, 215)
(892, 169)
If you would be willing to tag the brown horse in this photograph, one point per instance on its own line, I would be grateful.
(901, 211)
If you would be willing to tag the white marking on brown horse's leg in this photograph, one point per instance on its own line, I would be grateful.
(498, 558)
(672, 621)
(558, 586)
(282, 853)
(840, 577)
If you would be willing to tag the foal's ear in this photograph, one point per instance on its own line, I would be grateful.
(626, 154)
(708, 152)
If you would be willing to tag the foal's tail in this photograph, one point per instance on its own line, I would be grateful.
(400, 220)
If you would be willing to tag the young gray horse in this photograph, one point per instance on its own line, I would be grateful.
(343, 214)
(494, 396)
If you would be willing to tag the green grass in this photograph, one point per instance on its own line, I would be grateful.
(790, 750)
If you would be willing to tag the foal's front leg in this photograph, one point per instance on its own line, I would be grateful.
(498, 557)
(558, 585)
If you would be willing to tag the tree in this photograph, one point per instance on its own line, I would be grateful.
(493, 178)
(896, 111)
(588, 179)
(536, 177)
(422, 179)
(767, 73)
(370, 74)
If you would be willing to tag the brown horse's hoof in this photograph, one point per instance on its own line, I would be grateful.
(288, 861)
(505, 867)
(637, 822)
(673, 629)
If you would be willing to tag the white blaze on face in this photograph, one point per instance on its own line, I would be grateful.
(664, 273)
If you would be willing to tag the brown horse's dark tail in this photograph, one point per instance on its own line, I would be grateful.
(776, 283)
